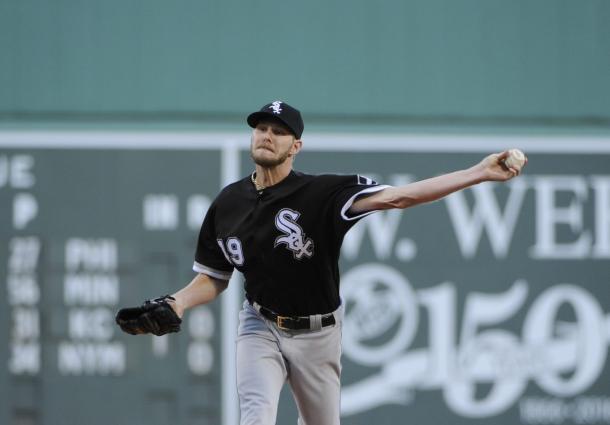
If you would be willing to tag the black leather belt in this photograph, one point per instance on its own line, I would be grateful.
(294, 323)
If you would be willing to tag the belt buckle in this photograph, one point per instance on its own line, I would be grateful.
(279, 320)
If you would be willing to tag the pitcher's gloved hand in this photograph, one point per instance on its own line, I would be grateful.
(154, 316)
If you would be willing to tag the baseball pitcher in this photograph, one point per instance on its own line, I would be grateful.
(283, 230)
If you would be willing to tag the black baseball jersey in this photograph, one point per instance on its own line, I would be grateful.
(285, 239)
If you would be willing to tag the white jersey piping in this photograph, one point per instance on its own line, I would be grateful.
(218, 274)
(351, 200)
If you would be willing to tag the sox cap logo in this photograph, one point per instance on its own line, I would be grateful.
(294, 237)
(282, 112)
(276, 107)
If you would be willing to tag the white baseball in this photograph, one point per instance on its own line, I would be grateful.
(515, 159)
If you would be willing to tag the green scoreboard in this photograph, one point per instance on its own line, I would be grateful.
(489, 305)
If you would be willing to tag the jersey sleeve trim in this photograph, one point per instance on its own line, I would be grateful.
(351, 200)
(218, 274)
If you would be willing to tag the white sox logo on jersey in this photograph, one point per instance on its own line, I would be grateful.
(276, 107)
(294, 237)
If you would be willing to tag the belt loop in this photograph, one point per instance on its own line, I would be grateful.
(315, 322)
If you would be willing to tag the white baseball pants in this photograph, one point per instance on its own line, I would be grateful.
(267, 357)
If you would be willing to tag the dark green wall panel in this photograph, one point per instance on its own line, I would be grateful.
(496, 60)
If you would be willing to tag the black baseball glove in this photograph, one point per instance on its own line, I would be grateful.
(154, 316)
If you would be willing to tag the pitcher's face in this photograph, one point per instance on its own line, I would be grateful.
(272, 143)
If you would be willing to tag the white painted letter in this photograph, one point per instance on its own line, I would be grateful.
(549, 215)
(601, 186)
(25, 209)
(486, 214)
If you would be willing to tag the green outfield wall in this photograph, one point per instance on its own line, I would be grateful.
(438, 62)
(120, 122)
(489, 306)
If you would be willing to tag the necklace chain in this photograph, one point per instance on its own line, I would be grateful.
(256, 184)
